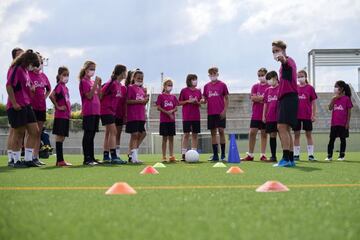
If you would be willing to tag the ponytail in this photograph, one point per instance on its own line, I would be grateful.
(344, 87)
(347, 90)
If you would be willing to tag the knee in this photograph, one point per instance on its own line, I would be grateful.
(221, 131)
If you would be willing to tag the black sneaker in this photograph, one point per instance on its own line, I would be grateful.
(129, 158)
(32, 164)
(183, 158)
(312, 158)
(20, 164)
(97, 161)
(296, 158)
(38, 162)
(11, 163)
(90, 163)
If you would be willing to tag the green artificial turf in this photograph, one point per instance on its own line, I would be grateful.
(318, 212)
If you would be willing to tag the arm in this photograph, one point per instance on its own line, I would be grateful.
(226, 105)
(331, 105)
(12, 99)
(314, 110)
(256, 98)
(53, 100)
(264, 113)
(348, 119)
(97, 84)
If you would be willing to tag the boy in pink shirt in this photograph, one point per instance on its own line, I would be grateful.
(257, 98)
(190, 100)
(61, 100)
(216, 96)
(306, 115)
(167, 105)
(340, 106)
(270, 111)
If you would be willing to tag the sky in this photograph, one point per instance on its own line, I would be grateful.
(178, 37)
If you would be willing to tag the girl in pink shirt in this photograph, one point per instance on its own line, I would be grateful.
(109, 94)
(136, 100)
(306, 115)
(190, 100)
(89, 92)
(167, 105)
(61, 100)
(340, 106)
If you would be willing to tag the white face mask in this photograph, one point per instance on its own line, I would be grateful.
(277, 55)
(213, 78)
(139, 84)
(194, 83)
(336, 90)
(272, 82)
(91, 73)
(262, 79)
(65, 80)
(30, 68)
(301, 80)
(169, 89)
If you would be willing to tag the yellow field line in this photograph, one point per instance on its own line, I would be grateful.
(179, 187)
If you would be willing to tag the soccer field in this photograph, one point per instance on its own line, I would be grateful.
(184, 201)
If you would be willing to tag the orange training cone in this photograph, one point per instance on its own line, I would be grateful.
(120, 188)
(149, 170)
(272, 186)
(235, 170)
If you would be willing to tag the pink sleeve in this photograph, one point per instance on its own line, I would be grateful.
(84, 87)
(176, 101)
(47, 85)
(159, 101)
(225, 90)
(181, 97)
(12, 79)
(205, 93)
(130, 93)
(349, 103)
(313, 94)
(253, 90)
(266, 96)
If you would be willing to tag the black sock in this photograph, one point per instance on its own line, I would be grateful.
(286, 154)
(106, 154)
(222, 149)
(331, 147)
(273, 147)
(59, 152)
(215, 150)
(291, 156)
(113, 153)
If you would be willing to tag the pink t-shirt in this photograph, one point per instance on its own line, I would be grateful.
(257, 107)
(62, 99)
(121, 102)
(340, 111)
(214, 93)
(190, 111)
(109, 99)
(89, 106)
(42, 85)
(306, 95)
(167, 102)
(271, 100)
(135, 112)
(20, 81)
(288, 78)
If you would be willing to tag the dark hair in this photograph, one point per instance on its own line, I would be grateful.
(14, 52)
(26, 59)
(118, 70)
(344, 87)
(280, 44)
(137, 71)
(213, 70)
(128, 78)
(61, 70)
(271, 74)
(85, 67)
(189, 78)
(263, 70)
(305, 74)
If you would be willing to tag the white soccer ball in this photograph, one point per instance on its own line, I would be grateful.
(192, 156)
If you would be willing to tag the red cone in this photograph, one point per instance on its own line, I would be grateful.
(272, 186)
(120, 188)
(149, 170)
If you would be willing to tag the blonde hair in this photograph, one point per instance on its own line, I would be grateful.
(85, 67)
(305, 74)
(166, 81)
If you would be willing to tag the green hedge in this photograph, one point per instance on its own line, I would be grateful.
(3, 110)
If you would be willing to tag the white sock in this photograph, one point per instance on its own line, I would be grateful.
(16, 156)
(133, 155)
(310, 149)
(29, 154)
(10, 155)
(183, 150)
(194, 149)
(137, 154)
(250, 154)
(118, 150)
(296, 150)
(263, 155)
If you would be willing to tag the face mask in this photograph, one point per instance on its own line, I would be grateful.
(91, 73)
(31, 68)
(336, 90)
(262, 79)
(168, 89)
(301, 80)
(277, 55)
(65, 80)
(213, 78)
(139, 84)
(194, 83)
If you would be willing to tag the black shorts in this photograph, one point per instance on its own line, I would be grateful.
(40, 116)
(271, 127)
(107, 119)
(214, 121)
(167, 129)
(305, 123)
(91, 123)
(288, 109)
(191, 126)
(135, 126)
(339, 131)
(61, 127)
(22, 117)
(257, 124)
(119, 122)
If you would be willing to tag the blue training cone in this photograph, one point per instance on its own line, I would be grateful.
(233, 156)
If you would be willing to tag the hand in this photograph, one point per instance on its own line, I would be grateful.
(223, 115)
(202, 101)
(263, 119)
(347, 126)
(146, 99)
(313, 118)
(32, 88)
(98, 81)
(61, 108)
(17, 107)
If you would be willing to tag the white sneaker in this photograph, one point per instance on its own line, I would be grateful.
(328, 159)
(341, 159)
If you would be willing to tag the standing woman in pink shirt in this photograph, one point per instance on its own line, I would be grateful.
(89, 92)
(40, 91)
(109, 94)
(20, 113)
(136, 100)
